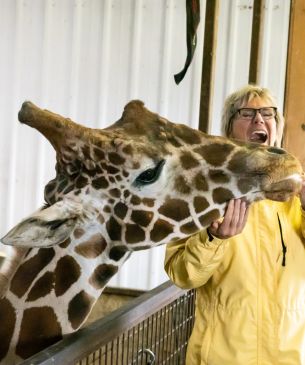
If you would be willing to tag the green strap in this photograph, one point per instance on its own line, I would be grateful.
(192, 22)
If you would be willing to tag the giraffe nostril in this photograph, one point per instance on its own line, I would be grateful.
(276, 150)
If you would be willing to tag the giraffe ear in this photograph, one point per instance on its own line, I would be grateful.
(44, 228)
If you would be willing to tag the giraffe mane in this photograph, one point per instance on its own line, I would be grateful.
(10, 266)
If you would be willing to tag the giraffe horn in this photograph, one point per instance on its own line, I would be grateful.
(57, 129)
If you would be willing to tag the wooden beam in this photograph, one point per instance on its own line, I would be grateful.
(208, 65)
(294, 110)
(256, 41)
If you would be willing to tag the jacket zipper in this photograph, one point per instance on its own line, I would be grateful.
(283, 244)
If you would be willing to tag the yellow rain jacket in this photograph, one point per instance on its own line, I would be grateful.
(250, 306)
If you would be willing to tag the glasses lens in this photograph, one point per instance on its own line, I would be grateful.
(247, 113)
(267, 113)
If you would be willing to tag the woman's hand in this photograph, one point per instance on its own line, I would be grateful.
(234, 220)
(302, 193)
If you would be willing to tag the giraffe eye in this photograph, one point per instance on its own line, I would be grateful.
(151, 175)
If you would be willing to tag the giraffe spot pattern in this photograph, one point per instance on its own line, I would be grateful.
(115, 159)
(81, 182)
(219, 176)
(92, 248)
(101, 219)
(120, 210)
(128, 150)
(111, 201)
(110, 169)
(78, 233)
(200, 204)
(135, 200)
(118, 178)
(125, 173)
(201, 182)
(50, 187)
(98, 154)
(126, 194)
(148, 202)
(79, 308)
(39, 330)
(117, 252)
(107, 209)
(175, 209)
(114, 229)
(42, 287)
(101, 275)
(206, 219)
(188, 161)
(142, 217)
(161, 230)
(189, 228)
(7, 320)
(186, 134)
(28, 271)
(245, 184)
(238, 162)
(222, 195)
(134, 233)
(67, 272)
(62, 186)
(100, 183)
(181, 185)
(66, 243)
(116, 193)
(112, 179)
(69, 189)
(215, 154)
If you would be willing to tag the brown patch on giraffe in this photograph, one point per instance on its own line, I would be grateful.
(111, 201)
(206, 219)
(78, 233)
(238, 162)
(110, 169)
(98, 154)
(79, 308)
(8, 321)
(116, 193)
(28, 271)
(101, 275)
(219, 176)
(126, 194)
(81, 182)
(114, 229)
(50, 187)
(39, 330)
(175, 209)
(117, 252)
(134, 233)
(216, 153)
(135, 200)
(112, 179)
(173, 141)
(66, 243)
(115, 159)
(118, 178)
(189, 228)
(120, 210)
(245, 184)
(181, 185)
(201, 182)
(136, 165)
(42, 287)
(161, 230)
(69, 189)
(92, 248)
(187, 134)
(91, 172)
(100, 183)
(222, 195)
(86, 151)
(125, 173)
(77, 192)
(188, 161)
(107, 209)
(142, 217)
(67, 272)
(101, 219)
(148, 202)
(128, 150)
(200, 204)
(62, 186)
(141, 248)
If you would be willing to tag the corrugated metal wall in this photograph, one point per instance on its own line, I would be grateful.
(85, 59)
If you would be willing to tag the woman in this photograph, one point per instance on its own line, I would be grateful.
(249, 269)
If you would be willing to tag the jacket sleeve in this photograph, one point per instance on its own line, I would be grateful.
(190, 262)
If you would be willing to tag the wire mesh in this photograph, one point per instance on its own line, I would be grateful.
(159, 339)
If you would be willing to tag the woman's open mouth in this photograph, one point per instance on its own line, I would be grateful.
(258, 136)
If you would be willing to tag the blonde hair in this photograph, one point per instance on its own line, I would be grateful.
(239, 99)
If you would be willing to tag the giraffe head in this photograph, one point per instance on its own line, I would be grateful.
(146, 180)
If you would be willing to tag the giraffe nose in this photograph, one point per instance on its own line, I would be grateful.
(276, 150)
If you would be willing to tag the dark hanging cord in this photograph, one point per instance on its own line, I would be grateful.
(283, 244)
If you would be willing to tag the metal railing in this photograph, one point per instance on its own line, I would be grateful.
(151, 329)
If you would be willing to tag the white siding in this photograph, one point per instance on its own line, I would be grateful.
(85, 59)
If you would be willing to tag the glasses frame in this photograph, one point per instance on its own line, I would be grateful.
(259, 110)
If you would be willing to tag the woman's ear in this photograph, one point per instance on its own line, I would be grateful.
(43, 228)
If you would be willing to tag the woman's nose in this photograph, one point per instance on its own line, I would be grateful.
(258, 118)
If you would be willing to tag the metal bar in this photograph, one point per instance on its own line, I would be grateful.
(256, 41)
(208, 65)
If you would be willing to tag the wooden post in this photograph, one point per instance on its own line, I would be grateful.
(208, 65)
(294, 109)
(256, 41)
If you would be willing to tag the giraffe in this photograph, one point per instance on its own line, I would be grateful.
(139, 183)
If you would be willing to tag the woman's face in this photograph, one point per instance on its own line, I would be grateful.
(255, 130)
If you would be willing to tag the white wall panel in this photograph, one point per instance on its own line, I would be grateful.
(85, 59)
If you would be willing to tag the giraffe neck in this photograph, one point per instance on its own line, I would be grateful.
(53, 291)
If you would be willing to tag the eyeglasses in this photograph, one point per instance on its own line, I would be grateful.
(249, 113)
